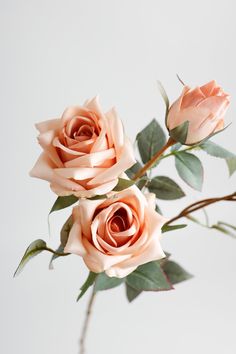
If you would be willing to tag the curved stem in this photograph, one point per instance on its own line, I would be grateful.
(156, 157)
(201, 204)
(59, 254)
(86, 323)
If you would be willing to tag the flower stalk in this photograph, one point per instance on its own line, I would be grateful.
(154, 159)
(86, 323)
(201, 204)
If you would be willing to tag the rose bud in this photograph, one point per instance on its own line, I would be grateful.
(117, 234)
(84, 151)
(201, 109)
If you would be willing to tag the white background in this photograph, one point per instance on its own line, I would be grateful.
(57, 53)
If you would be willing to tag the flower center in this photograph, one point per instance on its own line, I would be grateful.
(118, 224)
(84, 131)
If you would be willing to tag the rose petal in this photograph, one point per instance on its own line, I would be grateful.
(53, 124)
(73, 111)
(208, 88)
(126, 160)
(98, 262)
(117, 131)
(98, 190)
(92, 160)
(192, 98)
(45, 140)
(173, 115)
(43, 168)
(75, 241)
(78, 173)
(124, 268)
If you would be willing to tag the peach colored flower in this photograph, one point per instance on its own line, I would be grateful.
(117, 234)
(85, 151)
(204, 107)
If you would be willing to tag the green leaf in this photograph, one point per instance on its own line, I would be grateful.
(217, 151)
(179, 134)
(165, 188)
(123, 184)
(89, 282)
(149, 277)
(103, 282)
(175, 272)
(59, 250)
(66, 230)
(33, 250)
(164, 96)
(150, 140)
(131, 172)
(98, 197)
(225, 228)
(64, 235)
(227, 224)
(158, 209)
(190, 169)
(131, 293)
(63, 202)
(166, 228)
(231, 163)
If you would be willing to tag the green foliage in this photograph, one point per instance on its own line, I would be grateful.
(175, 272)
(165, 188)
(150, 140)
(89, 282)
(56, 255)
(165, 98)
(64, 238)
(231, 163)
(134, 169)
(148, 277)
(155, 276)
(123, 184)
(63, 202)
(179, 134)
(221, 226)
(190, 169)
(103, 282)
(166, 228)
(131, 293)
(66, 230)
(33, 250)
(217, 151)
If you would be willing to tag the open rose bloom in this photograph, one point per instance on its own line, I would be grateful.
(204, 107)
(118, 234)
(84, 151)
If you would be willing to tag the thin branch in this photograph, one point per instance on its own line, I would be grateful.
(201, 204)
(86, 323)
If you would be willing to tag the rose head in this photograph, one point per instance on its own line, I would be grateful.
(117, 234)
(85, 151)
(204, 107)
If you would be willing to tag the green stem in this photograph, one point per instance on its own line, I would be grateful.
(59, 254)
(173, 153)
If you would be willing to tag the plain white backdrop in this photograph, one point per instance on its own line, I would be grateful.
(57, 53)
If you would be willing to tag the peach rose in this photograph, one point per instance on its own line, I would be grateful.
(117, 234)
(204, 107)
(85, 151)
